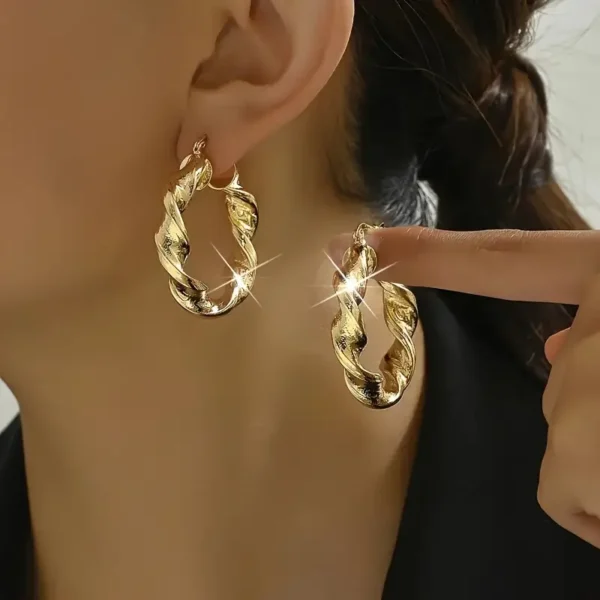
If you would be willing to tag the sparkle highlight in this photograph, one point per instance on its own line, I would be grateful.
(351, 284)
(237, 277)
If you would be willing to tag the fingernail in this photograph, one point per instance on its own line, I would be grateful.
(337, 247)
(554, 344)
(373, 240)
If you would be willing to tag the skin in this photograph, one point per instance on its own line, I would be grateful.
(557, 267)
(169, 456)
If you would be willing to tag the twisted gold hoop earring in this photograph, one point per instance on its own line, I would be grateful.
(375, 390)
(173, 244)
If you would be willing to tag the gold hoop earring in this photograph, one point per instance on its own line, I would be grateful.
(173, 244)
(375, 390)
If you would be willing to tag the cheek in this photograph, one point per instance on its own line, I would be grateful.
(90, 103)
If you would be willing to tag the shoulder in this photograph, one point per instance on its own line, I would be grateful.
(472, 526)
(14, 511)
(10, 454)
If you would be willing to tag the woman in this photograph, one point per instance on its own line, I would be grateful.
(171, 456)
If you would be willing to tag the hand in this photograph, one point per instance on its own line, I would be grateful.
(560, 267)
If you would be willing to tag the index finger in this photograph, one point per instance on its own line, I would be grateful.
(536, 266)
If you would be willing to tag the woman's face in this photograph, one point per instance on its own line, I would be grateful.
(93, 95)
(100, 99)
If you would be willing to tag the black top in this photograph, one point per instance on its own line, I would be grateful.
(472, 528)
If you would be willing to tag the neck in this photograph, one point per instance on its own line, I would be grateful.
(140, 420)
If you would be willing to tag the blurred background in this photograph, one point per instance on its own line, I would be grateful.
(567, 50)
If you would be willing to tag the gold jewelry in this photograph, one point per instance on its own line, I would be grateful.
(375, 390)
(173, 243)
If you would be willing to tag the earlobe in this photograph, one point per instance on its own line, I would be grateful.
(268, 65)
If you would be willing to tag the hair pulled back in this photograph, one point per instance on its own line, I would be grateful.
(448, 99)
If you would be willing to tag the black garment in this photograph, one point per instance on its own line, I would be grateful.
(472, 528)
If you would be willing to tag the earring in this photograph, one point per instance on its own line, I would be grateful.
(173, 243)
(375, 390)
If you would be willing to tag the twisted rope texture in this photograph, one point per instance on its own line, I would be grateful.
(173, 244)
(375, 390)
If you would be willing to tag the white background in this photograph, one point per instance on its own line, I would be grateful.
(568, 52)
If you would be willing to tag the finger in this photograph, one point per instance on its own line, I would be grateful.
(575, 377)
(569, 489)
(514, 265)
(554, 344)
(570, 497)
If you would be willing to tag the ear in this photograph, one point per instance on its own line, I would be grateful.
(270, 60)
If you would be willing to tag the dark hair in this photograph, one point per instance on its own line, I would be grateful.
(447, 99)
